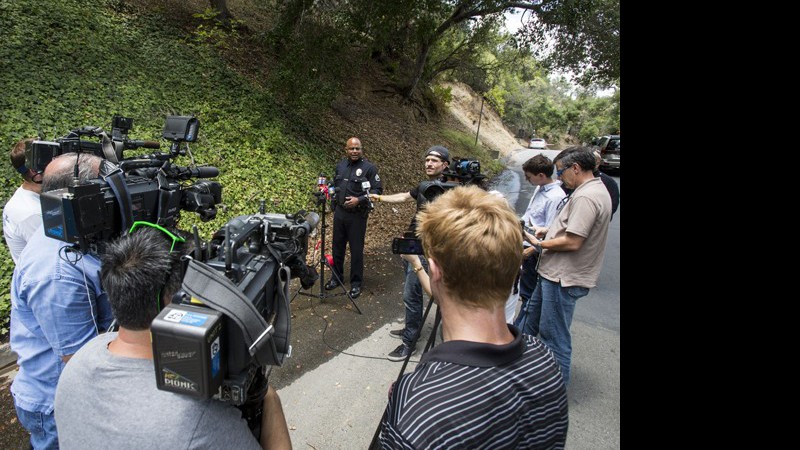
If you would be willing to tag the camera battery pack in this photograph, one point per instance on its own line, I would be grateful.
(187, 350)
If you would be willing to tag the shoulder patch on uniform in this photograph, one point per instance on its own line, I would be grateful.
(377, 177)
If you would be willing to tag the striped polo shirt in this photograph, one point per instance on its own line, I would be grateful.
(471, 395)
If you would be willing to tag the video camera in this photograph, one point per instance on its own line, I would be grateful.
(111, 148)
(464, 172)
(231, 320)
(145, 187)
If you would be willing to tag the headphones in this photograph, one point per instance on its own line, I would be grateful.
(26, 172)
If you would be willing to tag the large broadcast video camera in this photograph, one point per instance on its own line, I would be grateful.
(231, 321)
(146, 187)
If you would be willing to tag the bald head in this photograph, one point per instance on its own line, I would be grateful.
(353, 149)
(58, 174)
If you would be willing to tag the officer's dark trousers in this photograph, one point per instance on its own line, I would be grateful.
(349, 227)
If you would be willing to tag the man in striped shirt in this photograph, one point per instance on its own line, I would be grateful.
(487, 385)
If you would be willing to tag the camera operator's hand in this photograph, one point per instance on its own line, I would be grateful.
(416, 265)
(528, 251)
(412, 259)
(539, 232)
(536, 243)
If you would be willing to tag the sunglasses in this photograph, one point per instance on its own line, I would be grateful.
(559, 172)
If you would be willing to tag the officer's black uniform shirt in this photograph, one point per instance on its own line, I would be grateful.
(350, 180)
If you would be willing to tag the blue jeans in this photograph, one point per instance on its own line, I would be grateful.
(412, 299)
(550, 311)
(42, 428)
(527, 283)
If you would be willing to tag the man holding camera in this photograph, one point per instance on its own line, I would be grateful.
(57, 306)
(354, 180)
(22, 214)
(108, 396)
(487, 385)
(437, 159)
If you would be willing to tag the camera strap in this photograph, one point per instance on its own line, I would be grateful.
(283, 321)
(108, 147)
(215, 290)
(113, 175)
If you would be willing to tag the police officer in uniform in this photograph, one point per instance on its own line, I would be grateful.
(354, 179)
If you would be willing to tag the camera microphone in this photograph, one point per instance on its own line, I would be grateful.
(130, 164)
(141, 144)
(204, 172)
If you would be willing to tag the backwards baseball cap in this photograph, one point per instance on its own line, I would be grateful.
(440, 152)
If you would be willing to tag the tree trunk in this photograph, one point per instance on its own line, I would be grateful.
(222, 6)
(419, 69)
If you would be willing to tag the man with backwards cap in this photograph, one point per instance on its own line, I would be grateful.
(437, 159)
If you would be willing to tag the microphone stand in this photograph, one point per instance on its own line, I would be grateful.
(323, 261)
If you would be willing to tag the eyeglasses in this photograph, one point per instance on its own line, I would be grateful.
(559, 172)
(140, 223)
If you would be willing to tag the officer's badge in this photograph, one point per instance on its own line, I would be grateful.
(358, 172)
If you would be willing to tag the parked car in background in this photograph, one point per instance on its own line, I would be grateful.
(609, 152)
(537, 143)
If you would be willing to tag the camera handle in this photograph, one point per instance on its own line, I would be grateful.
(267, 344)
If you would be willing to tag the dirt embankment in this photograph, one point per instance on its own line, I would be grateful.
(395, 139)
(466, 108)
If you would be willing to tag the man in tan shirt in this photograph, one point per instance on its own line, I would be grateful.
(572, 250)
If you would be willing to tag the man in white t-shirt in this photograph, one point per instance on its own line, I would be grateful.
(22, 215)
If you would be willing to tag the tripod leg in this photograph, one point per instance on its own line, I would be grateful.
(341, 285)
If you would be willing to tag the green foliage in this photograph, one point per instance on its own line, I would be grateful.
(434, 36)
(581, 37)
(314, 55)
(527, 98)
(443, 94)
(64, 68)
(215, 32)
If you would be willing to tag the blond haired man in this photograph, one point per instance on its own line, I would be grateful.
(487, 385)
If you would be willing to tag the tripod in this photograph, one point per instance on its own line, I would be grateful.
(323, 261)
